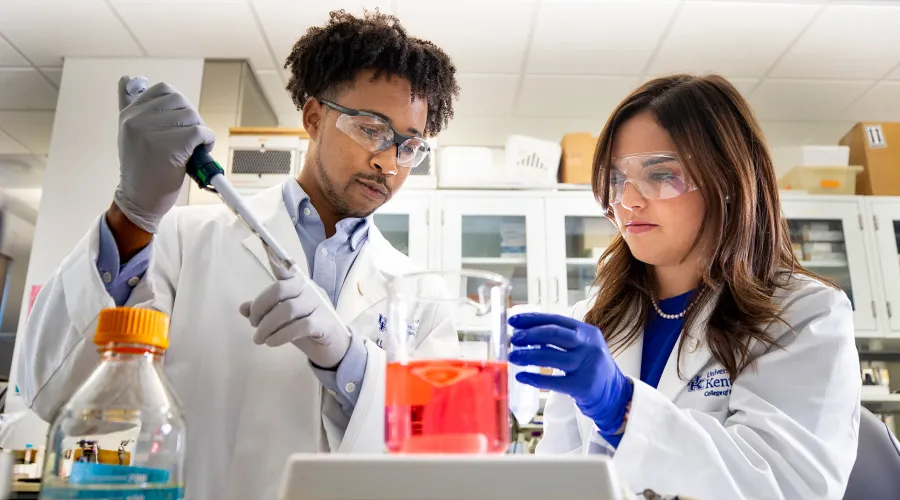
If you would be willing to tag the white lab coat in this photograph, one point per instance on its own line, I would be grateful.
(248, 406)
(786, 430)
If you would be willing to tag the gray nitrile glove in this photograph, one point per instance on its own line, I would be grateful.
(294, 309)
(158, 131)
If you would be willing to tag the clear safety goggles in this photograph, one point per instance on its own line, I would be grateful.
(376, 134)
(656, 176)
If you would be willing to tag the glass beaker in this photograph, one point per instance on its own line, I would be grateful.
(440, 398)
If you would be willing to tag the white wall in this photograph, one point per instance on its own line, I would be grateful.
(82, 172)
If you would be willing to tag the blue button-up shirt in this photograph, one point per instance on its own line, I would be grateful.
(329, 261)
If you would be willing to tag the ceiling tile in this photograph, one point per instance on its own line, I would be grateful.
(786, 100)
(10, 57)
(749, 37)
(286, 21)
(895, 75)
(275, 92)
(502, 29)
(191, 29)
(573, 96)
(829, 133)
(9, 146)
(602, 38)
(47, 30)
(25, 89)
(486, 95)
(882, 103)
(788, 133)
(846, 41)
(54, 74)
(30, 128)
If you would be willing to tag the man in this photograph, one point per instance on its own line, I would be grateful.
(369, 94)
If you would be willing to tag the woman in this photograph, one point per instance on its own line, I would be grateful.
(710, 363)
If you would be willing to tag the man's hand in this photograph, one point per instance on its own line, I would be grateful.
(296, 310)
(158, 131)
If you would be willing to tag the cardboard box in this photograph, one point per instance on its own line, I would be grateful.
(875, 146)
(577, 158)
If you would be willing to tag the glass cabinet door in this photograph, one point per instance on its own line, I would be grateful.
(403, 221)
(586, 239)
(886, 219)
(502, 236)
(827, 239)
(395, 228)
(577, 234)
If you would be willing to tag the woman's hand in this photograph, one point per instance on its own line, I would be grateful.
(591, 376)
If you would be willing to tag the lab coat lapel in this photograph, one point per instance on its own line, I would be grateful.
(695, 356)
(366, 281)
(269, 205)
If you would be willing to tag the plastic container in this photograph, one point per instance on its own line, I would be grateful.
(822, 180)
(786, 158)
(122, 434)
(532, 162)
(468, 166)
(451, 401)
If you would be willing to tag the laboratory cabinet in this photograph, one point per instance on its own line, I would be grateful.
(547, 243)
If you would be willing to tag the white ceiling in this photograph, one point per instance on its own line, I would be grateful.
(810, 68)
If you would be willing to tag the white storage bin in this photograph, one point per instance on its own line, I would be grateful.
(531, 161)
(465, 166)
(807, 156)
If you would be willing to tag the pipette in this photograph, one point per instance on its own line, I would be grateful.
(209, 175)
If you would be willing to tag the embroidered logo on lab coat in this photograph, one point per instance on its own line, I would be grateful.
(382, 323)
(712, 383)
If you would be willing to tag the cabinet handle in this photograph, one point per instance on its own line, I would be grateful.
(540, 297)
(890, 314)
(874, 314)
(556, 290)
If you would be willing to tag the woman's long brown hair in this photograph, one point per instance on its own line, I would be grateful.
(725, 155)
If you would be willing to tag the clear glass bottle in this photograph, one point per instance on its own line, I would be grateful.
(122, 434)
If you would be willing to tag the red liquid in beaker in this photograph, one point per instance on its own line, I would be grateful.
(447, 406)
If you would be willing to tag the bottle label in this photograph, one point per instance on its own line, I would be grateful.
(135, 493)
(114, 482)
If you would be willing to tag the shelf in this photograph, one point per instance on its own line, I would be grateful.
(493, 261)
(824, 263)
(581, 261)
(888, 403)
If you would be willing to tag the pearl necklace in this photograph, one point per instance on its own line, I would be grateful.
(672, 316)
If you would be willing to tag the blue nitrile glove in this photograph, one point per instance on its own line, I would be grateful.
(591, 376)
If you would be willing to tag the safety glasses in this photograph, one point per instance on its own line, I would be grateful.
(376, 134)
(656, 176)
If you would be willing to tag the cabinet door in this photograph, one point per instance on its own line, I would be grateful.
(577, 233)
(827, 238)
(404, 223)
(499, 233)
(887, 245)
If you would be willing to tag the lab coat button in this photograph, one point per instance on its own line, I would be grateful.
(692, 345)
(324, 251)
(133, 281)
(107, 278)
(350, 387)
(307, 211)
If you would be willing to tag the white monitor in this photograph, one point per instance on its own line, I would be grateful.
(449, 477)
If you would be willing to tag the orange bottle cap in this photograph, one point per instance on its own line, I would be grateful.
(128, 325)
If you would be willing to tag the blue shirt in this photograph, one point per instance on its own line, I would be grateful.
(660, 336)
(329, 262)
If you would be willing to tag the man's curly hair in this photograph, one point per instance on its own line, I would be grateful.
(327, 58)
